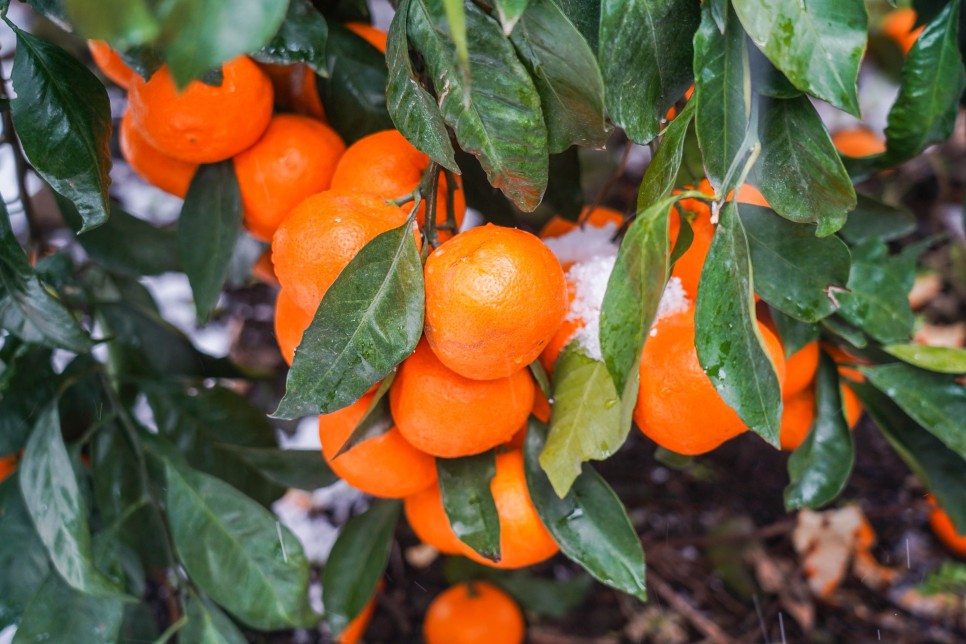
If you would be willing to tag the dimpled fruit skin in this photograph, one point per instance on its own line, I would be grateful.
(170, 174)
(319, 238)
(494, 298)
(294, 159)
(204, 123)
(678, 406)
(385, 466)
(445, 414)
(473, 613)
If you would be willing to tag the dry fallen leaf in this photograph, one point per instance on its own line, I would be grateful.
(924, 288)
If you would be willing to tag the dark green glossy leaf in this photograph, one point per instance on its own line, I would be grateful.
(799, 172)
(368, 322)
(662, 172)
(564, 195)
(300, 39)
(498, 119)
(793, 333)
(935, 401)
(483, 197)
(208, 228)
(124, 23)
(63, 119)
(634, 291)
(51, 9)
(509, 12)
(376, 421)
(590, 522)
(837, 326)
(237, 551)
(938, 359)
(587, 423)
(205, 33)
(766, 79)
(412, 108)
(59, 613)
(820, 467)
(645, 54)
(566, 74)
(877, 301)
(34, 314)
(357, 563)
(873, 219)
(57, 508)
(932, 83)
(818, 45)
(304, 469)
(207, 624)
(138, 624)
(793, 268)
(354, 94)
(729, 345)
(585, 14)
(465, 487)
(23, 557)
(941, 469)
(456, 28)
(720, 92)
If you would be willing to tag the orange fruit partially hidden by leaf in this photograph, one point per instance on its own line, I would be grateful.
(798, 414)
(475, 612)
(494, 298)
(942, 526)
(352, 633)
(800, 369)
(8, 465)
(858, 142)
(375, 37)
(427, 517)
(446, 414)
(678, 407)
(321, 235)
(305, 96)
(290, 323)
(597, 218)
(898, 26)
(688, 266)
(204, 123)
(385, 466)
(111, 64)
(294, 159)
(851, 406)
(160, 170)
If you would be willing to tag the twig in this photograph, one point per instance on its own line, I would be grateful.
(699, 621)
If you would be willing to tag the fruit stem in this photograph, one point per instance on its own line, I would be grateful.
(429, 186)
(450, 224)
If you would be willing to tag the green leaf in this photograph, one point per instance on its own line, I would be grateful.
(51, 9)
(357, 563)
(794, 270)
(125, 23)
(634, 291)
(877, 300)
(590, 522)
(721, 93)
(57, 508)
(540, 376)
(34, 314)
(585, 14)
(456, 27)
(873, 219)
(818, 45)
(661, 174)
(208, 228)
(935, 401)
(820, 467)
(940, 469)
(354, 94)
(509, 12)
(587, 423)
(412, 108)
(23, 557)
(645, 55)
(465, 487)
(207, 624)
(729, 345)
(565, 195)
(938, 359)
(565, 73)
(799, 172)
(300, 39)
(59, 613)
(793, 333)
(202, 34)
(368, 322)
(932, 83)
(766, 80)
(498, 119)
(237, 551)
(63, 119)
(376, 421)
(304, 469)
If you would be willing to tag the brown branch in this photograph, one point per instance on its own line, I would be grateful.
(681, 605)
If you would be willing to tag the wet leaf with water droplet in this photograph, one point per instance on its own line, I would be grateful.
(464, 484)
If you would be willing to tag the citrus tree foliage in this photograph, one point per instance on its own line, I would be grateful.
(501, 93)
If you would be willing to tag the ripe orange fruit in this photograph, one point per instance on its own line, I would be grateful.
(305, 96)
(541, 411)
(204, 123)
(160, 170)
(386, 465)
(294, 159)
(798, 414)
(688, 267)
(426, 516)
(387, 165)
(321, 235)
(800, 369)
(8, 465)
(373, 36)
(843, 357)
(858, 142)
(494, 298)
(290, 323)
(565, 332)
(898, 26)
(357, 627)
(598, 218)
(284, 81)
(111, 64)
(449, 415)
(942, 526)
(678, 406)
(851, 406)
(472, 613)
(264, 270)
